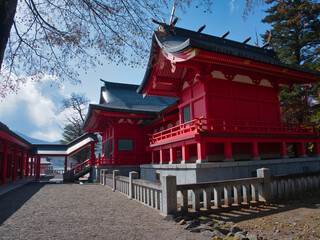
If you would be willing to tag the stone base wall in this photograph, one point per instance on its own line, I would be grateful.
(216, 171)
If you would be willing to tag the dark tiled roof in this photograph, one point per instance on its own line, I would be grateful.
(176, 40)
(182, 39)
(121, 97)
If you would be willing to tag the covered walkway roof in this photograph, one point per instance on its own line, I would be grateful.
(61, 150)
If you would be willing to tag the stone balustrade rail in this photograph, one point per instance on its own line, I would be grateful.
(210, 195)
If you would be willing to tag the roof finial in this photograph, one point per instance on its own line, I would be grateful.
(226, 34)
(247, 40)
(201, 29)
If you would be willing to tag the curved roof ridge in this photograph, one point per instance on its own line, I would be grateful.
(109, 84)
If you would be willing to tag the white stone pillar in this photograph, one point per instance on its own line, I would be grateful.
(169, 195)
(132, 175)
(265, 188)
(115, 173)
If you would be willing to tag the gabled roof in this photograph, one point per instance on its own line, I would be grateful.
(174, 42)
(122, 97)
(182, 39)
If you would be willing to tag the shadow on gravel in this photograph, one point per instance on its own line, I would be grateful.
(13, 200)
(311, 201)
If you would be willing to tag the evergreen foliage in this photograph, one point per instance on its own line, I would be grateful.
(296, 38)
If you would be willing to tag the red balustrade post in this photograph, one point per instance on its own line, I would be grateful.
(15, 163)
(173, 155)
(185, 154)
(254, 151)
(4, 162)
(228, 151)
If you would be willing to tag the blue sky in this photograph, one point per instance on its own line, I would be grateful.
(35, 110)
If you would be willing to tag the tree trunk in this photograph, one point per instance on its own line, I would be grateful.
(7, 11)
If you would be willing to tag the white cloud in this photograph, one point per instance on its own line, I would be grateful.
(34, 110)
(232, 5)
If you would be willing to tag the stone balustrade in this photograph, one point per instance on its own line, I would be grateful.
(220, 193)
(149, 193)
(289, 186)
(210, 195)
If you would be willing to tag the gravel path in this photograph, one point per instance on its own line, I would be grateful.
(73, 211)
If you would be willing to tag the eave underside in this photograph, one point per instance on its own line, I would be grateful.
(99, 119)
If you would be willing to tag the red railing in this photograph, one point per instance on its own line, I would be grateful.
(79, 167)
(124, 159)
(232, 126)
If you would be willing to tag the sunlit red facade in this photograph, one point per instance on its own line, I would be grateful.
(221, 104)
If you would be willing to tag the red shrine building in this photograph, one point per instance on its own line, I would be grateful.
(207, 109)
(14, 158)
(20, 159)
(205, 102)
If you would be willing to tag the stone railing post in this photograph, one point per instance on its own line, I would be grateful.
(169, 195)
(115, 173)
(264, 190)
(132, 175)
(103, 173)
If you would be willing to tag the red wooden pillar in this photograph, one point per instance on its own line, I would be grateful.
(317, 148)
(4, 162)
(283, 151)
(154, 156)
(254, 151)
(27, 166)
(162, 156)
(35, 166)
(301, 149)
(201, 152)
(228, 151)
(65, 163)
(10, 168)
(22, 163)
(31, 166)
(92, 156)
(173, 155)
(15, 163)
(185, 154)
(38, 168)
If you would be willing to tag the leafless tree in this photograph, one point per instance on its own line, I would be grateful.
(58, 37)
